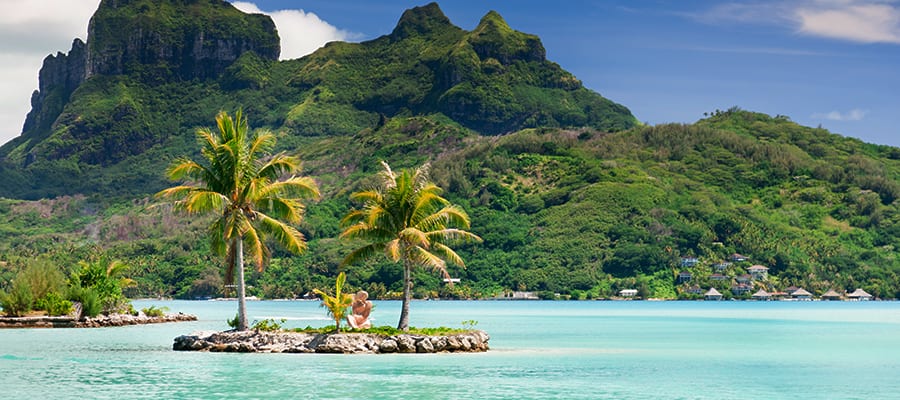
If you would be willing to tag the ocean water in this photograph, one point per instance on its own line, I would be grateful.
(539, 350)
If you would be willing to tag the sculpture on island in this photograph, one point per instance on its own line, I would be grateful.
(361, 307)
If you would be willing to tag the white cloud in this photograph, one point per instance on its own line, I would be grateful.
(858, 21)
(855, 114)
(29, 31)
(865, 21)
(301, 32)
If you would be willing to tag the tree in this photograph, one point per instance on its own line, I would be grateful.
(105, 278)
(245, 187)
(337, 305)
(407, 219)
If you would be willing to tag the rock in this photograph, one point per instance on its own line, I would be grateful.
(388, 346)
(424, 346)
(406, 344)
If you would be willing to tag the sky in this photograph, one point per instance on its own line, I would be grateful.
(829, 63)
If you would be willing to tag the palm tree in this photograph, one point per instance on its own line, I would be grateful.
(337, 305)
(407, 219)
(244, 186)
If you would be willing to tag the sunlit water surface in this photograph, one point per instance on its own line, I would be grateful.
(539, 350)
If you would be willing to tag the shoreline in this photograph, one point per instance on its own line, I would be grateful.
(256, 341)
(99, 321)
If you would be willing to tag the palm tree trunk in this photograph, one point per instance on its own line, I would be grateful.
(407, 288)
(242, 294)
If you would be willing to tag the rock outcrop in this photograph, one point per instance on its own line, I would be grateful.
(346, 343)
(136, 41)
(175, 39)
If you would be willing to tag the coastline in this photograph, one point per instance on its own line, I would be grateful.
(256, 341)
(96, 322)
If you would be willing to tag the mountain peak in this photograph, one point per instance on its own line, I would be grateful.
(422, 20)
(192, 39)
(493, 38)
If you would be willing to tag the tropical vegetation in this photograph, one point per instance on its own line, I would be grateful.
(406, 219)
(573, 198)
(253, 194)
(338, 303)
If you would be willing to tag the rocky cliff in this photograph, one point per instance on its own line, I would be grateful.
(180, 39)
(150, 43)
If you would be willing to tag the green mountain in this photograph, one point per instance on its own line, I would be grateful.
(123, 101)
(571, 195)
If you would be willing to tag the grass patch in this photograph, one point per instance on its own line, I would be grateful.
(387, 330)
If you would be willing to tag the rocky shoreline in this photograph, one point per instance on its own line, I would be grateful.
(96, 322)
(255, 341)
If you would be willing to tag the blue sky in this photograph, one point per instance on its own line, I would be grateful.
(832, 63)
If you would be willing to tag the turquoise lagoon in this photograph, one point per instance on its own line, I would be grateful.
(565, 350)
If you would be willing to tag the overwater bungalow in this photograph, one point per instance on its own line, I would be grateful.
(859, 295)
(801, 294)
(760, 295)
(713, 294)
(831, 295)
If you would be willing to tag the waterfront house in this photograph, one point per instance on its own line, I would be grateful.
(689, 261)
(718, 277)
(801, 294)
(713, 294)
(741, 289)
(694, 290)
(684, 276)
(790, 290)
(722, 266)
(760, 295)
(777, 295)
(831, 295)
(860, 295)
(737, 258)
(520, 295)
(628, 292)
(758, 272)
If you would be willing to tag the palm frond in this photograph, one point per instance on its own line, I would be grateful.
(428, 259)
(287, 236)
(363, 253)
(448, 254)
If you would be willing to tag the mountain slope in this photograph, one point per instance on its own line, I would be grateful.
(570, 196)
(121, 101)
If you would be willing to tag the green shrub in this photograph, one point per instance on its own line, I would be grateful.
(233, 323)
(152, 311)
(89, 299)
(268, 325)
(53, 304)
(19, 300)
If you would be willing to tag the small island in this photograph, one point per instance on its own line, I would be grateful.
(259, 341)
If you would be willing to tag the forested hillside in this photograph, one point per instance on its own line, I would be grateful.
(571, 196)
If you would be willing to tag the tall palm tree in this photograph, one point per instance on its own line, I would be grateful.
(245, 187)
(407, 219)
